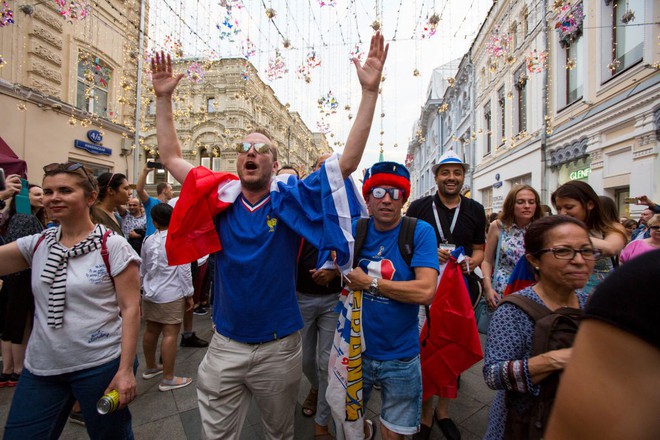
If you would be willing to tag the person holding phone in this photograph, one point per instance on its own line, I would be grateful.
(17, 287)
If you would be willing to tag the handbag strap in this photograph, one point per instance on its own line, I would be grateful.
(497, 251)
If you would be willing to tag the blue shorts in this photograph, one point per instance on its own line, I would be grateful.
(401, 392)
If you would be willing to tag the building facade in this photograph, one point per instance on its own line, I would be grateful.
(211, 115)
(67, 85)
(427, 142)
(554, 100)
(509, 104)
(605, 86)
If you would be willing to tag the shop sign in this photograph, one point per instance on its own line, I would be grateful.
(498, 201)
(497, 183)
(580, 174)
(95, 136)
(92, 148)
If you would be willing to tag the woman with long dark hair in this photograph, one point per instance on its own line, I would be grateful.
(114, 191)
(578, 200)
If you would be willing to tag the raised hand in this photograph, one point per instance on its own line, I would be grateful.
(163, 80)
(370, 73)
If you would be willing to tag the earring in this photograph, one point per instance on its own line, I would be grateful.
(537, 268)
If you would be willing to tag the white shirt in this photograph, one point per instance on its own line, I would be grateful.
(91, 333)
(162, 283)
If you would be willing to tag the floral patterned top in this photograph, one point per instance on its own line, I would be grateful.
(512, 247)
(508, 349)
(603, 267)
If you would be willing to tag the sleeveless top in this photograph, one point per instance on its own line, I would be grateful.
(512, 247)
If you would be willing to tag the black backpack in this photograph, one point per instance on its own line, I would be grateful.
(553, 330)
(406, 238)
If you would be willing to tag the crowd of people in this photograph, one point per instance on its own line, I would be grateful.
(301, 266)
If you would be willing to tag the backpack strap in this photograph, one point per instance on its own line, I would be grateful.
(105, 254)
(360, 236)
(407, 238)
(533, 309)
(39, 240)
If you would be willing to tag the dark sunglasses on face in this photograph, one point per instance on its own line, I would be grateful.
(259, 147)
(654, 228)
(69, 167)
(379, 193)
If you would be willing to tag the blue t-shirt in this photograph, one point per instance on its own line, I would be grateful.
(256, 270)
(147, 210)
(390, 327)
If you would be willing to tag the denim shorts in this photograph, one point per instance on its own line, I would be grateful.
(401, 391)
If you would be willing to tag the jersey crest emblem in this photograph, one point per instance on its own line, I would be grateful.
(271, 223)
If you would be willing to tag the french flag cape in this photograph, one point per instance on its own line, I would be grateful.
(449, 340)
(521, 277)
(319, 208)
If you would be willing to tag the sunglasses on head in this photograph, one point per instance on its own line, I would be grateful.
(69, 167)
(259, 147)
(379, 193)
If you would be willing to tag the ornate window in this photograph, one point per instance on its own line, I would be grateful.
(627, 39)
(501, 101)
(520, 84)
(488, 129)
(94, 77)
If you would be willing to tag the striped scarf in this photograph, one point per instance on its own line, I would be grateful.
(54, 273)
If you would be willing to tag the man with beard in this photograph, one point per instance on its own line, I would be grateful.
(256, 348)
(458, 221)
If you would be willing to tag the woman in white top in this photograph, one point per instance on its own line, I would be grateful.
(168, 290)
(86, 319)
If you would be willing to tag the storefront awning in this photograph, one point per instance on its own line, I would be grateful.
(10, 162)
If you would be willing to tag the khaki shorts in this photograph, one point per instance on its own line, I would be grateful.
(164, 313)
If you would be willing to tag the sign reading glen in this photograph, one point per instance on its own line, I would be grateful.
(580, 174)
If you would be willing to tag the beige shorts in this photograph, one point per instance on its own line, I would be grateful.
(164, 313)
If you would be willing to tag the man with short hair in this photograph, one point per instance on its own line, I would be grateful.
(133, 224)
(393, 290)
(643, 230)
(163, 195)
(458, 221)
(253, 226)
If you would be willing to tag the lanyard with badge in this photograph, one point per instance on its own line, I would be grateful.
(444, 244)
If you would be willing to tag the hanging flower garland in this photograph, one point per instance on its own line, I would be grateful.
(276, 67)
(95, 73)
(229, 4)
(498, 43)
(248, 49)
(569, 22)
(431, 26)
(7, 16)
(327, 3)
(536, 61)
(312, 60)
(175, 47)
(328, 104)
(303, 72)
(228, 28)
(246, 72)
(357, 54)
(195, 73)
(323, 127)
(72, 10)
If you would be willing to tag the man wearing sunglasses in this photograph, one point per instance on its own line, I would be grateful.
(256, 348)
(392, 292)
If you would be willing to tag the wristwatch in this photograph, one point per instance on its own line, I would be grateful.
(373, 287)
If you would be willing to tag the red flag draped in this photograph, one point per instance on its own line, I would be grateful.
(452, 344)
(192, 233)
